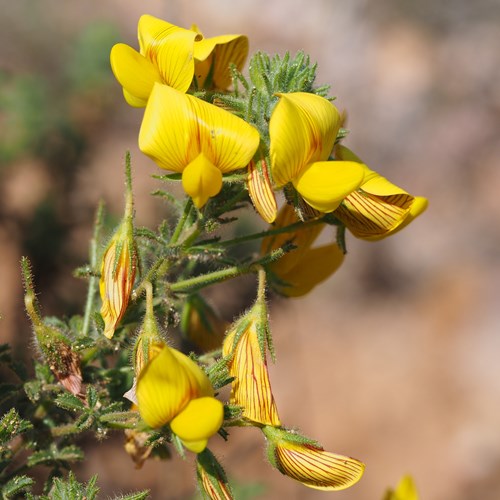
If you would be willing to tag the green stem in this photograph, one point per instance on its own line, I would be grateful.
(91, 291)
(182, 221)
(199, 282)
(270, 232)
(159, 269)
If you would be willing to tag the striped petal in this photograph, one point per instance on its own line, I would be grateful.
(251, 388)
(315, 266)
(134, 72)
(170, 49)
(316, 468)
(302, 129)
(219, 52)
(197, 422)
(261, 191)
(177, 127)
(166, 385)
(118, 271)
(323, 185)
(377, 209)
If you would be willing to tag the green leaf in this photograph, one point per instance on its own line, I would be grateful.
(92, 398)
(11, 425)
(71, 489)
(16, 486)
(140, 495)
(54, 456)
(69, 402)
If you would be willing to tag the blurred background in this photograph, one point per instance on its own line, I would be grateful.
(395, 359)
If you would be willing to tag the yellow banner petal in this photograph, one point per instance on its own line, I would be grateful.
(177, 127)
(302, 129)
(134, 72)
(323, 185)
(164, 388)
(170, 48)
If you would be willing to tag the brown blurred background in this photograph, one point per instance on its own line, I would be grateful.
(395, 359)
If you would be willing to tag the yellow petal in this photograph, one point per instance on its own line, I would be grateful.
(323, 185)
(164, 388)
(221, 51)
(197, 422)
(261, 191)
(170, 48)
(134, 72)
(134, 101)
(316, 265)
(118, 271)
(201, 180)
(316, 468)
(251, 387)
(197, 376)
(177, 127)
(302, 129)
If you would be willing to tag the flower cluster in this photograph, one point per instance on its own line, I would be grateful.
(277, 141)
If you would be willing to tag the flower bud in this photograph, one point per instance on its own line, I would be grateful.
(245, 343)
(307, 462)
(212, 479)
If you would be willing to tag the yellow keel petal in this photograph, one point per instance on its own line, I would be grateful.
(201, 180)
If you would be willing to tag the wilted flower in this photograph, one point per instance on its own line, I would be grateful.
(378, 208)
(118, 269)
(195, 138)
(304, 267)
(55, 347)
(302, 130)
(251, 389)
(406, 490)
(305, 461)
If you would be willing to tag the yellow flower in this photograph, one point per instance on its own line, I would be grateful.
(251, 387)
(172, 55)
(185, 134)
(303, 129)
(406, 490)
(165, 56)
(173, 389)
(301, 269)
(213, 57)
(378, 208)
(307, 462)
(118, 268)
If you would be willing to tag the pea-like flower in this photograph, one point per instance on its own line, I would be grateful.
(301, 269)
(377, 208)
(307, 462)
(302, 130)
(173, 389)
(118, 269)
(251, 388)
(187, 135)
(171, 55)
(213, 57)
